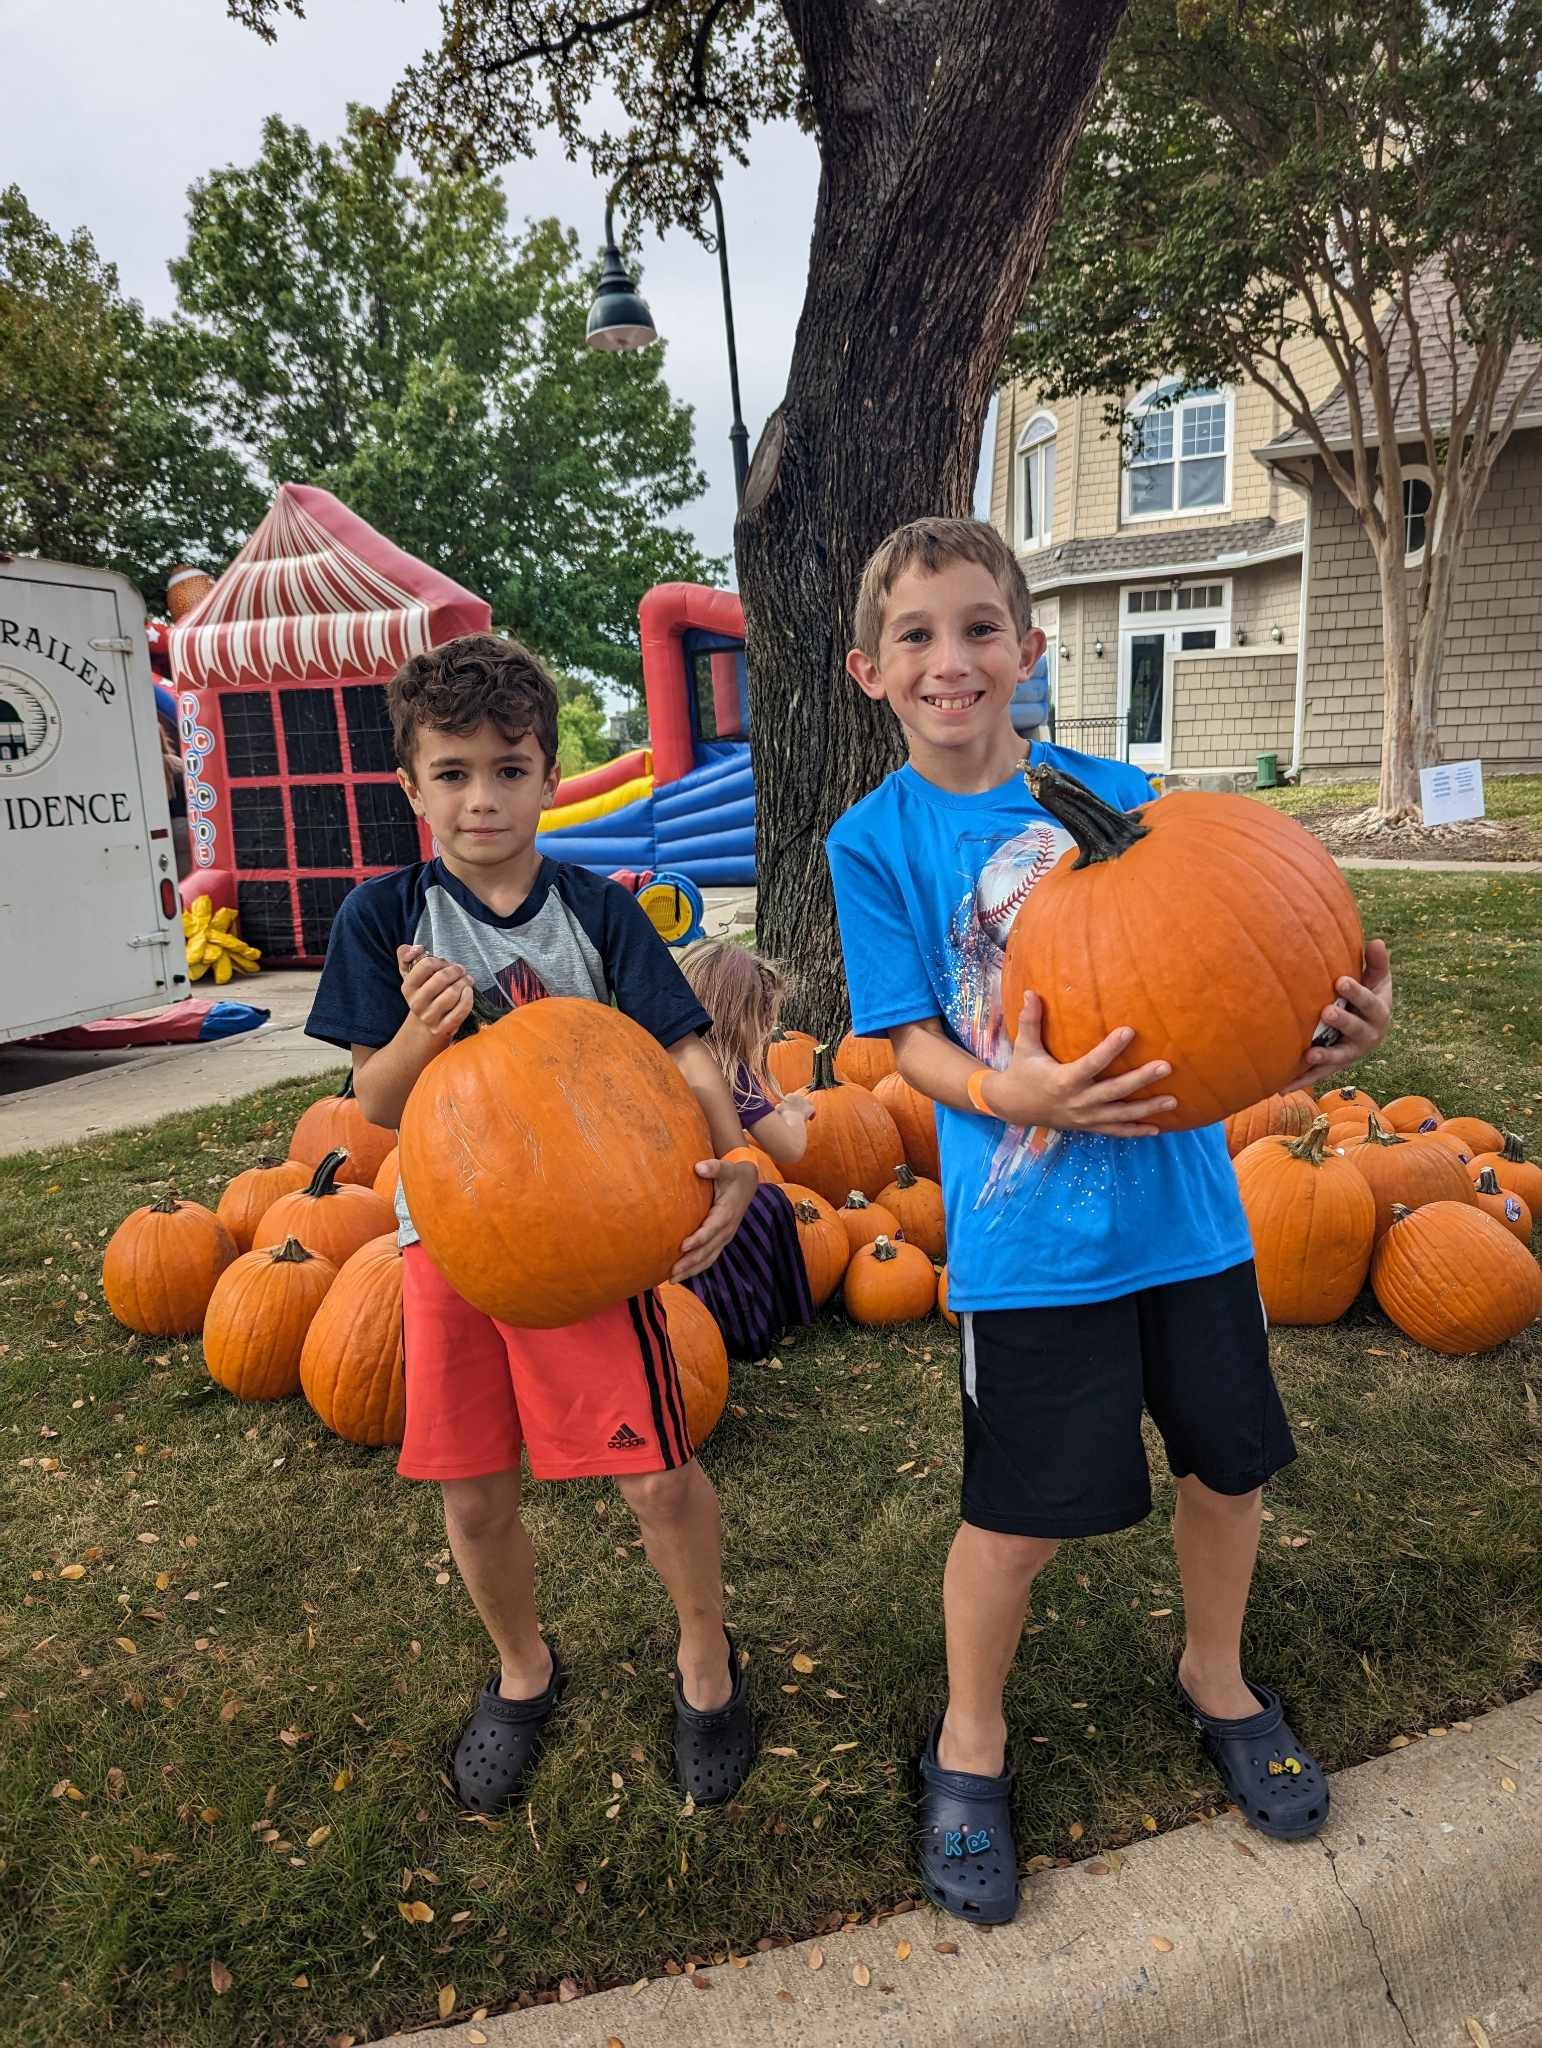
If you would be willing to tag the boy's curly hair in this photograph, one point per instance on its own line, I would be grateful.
(475, 680)
(929, 544)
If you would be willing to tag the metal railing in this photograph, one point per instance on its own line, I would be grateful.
(1105, 736)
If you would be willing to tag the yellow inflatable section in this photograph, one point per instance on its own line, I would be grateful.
(590, 807)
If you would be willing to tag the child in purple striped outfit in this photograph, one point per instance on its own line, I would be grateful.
(757, 1288)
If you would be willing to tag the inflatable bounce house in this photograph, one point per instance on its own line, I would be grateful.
(279, 671)
(685, 804)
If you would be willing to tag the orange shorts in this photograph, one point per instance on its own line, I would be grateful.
(597, 1397)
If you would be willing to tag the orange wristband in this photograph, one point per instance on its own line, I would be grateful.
(977, 1092)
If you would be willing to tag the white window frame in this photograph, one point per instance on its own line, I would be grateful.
(1171, 626)
(1417, 472)
(1032, 451)
(1222, 394)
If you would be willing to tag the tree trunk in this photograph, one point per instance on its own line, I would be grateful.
(942, 173)
(1404, 741)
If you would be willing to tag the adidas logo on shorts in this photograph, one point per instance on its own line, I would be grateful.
(626, 1439)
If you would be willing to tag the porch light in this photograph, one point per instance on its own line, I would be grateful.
(1097, 648)
(1276, 634)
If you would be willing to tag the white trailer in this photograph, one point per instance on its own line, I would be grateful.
(90, 912)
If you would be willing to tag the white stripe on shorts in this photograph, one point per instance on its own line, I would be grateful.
(966, 1319)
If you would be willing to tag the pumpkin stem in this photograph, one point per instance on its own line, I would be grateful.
(1100, 832)
(290, 1253)
(1376, 1132)
(1513, 1150)
(1487, 1182)
(883, 1250)
(167, 1204)
(805, 1212)
(825, 1075)
(903, 1177)
(1309, 1146)
(324, 1180)
(1400, 1212)
(855, 1200)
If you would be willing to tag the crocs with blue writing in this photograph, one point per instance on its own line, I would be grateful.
(1279, 1786)
(498, 1747)
(968, 1862)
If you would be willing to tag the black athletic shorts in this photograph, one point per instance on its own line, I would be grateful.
(1053, 1399)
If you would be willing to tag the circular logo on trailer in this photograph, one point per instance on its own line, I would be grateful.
(29, 723)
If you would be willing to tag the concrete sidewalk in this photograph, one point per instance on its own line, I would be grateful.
(1413, 1921)
(57, 1098)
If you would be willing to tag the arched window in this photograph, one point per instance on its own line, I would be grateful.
(1418, 497)
(1178, 457)
(1036, 481)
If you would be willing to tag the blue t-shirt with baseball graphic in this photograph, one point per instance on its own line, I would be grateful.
(927, 884)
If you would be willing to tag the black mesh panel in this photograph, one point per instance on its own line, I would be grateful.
(257, 820)
(388, 831)
(320, 825)
(369, 729)
(320, 897)
(266, 918)
(310, 732)
(246, 719)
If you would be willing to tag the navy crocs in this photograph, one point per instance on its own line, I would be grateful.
(1279, 1786)
(968, 1861)
(714, 1746)
(497, 1749)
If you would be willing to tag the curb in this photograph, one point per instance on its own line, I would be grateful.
(1415, 1918)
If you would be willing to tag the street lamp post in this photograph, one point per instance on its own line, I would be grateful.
(620, 319)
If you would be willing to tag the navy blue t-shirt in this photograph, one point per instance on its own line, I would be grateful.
(575, 934)
(927, 885)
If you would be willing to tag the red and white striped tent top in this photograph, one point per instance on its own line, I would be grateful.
(317, 595)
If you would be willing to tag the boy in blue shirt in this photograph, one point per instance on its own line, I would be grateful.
(1096, 1266)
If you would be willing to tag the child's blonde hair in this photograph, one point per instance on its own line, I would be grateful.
(743, 993)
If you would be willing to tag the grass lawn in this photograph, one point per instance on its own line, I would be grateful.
(220, 1745)
(1510, 799)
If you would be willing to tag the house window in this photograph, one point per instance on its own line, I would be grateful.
(1418, 496)
(1178, 456)
(1036, 481)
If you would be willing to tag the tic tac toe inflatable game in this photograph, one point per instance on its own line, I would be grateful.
(280, 672)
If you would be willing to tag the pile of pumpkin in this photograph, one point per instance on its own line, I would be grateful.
(1435, 1211)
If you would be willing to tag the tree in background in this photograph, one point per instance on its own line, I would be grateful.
(943, 128)
(1258, 182)
(107, 455)
(384, 335)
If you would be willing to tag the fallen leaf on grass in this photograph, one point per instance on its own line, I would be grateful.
(343, 1780)
(127, 1645)
(802, 1662)
(316, 1837)
(446, 2000)
(1159, 1613)
(861, 1974)
(1398, 1742)
(220, 1977)
(1077, 1831)
(231, 1708)
(117, 1784)
(300, 1983)
(781, 1752)
(417, 1910)
(1161, 1944)
(567, 1991)
(73, 1571)
(1148, 1822)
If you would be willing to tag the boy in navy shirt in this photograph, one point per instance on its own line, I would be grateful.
(1096, 1266)
(489, 921)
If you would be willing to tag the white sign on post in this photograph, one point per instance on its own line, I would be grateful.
(1451, 792)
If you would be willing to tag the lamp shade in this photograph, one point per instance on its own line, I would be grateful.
(619, 318)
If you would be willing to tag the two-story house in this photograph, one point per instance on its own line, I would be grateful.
(1209, 597)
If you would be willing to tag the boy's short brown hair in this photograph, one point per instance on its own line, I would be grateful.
(476, 680)
(930, 544)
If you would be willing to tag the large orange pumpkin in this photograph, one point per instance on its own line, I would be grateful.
(942, 1298)
(822, 1240)
(1503, 1204)
(1313, 1222)
(917, 1203)
(1410, 1171)
(790, 1059)
(1512, 1170)
(864, 1061)
(258, 1315)
(1214, 927)
(889, 1282)
(252, 1194)
(1449, 1141)
(1410, 1114)
(1454, 1279)
(351, 1362)
(336, 1123)
(1477, 1131)
(863, 1220)
(1275, 1116)
(161, 1264)
(915, 1118)
(330, 1219)
(701, 1359)
(549, 1162)
(386, 1179)
(851, 1142)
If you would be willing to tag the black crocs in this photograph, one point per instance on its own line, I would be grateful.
(968, 1861)
(497, 1749)
(715, 1746)
(1279, 1786)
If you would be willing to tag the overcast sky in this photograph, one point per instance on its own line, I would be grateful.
(116, 108)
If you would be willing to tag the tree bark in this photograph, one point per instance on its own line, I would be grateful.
(943, 158)
(1403, 739)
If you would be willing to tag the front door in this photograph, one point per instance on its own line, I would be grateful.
(1145, 698)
